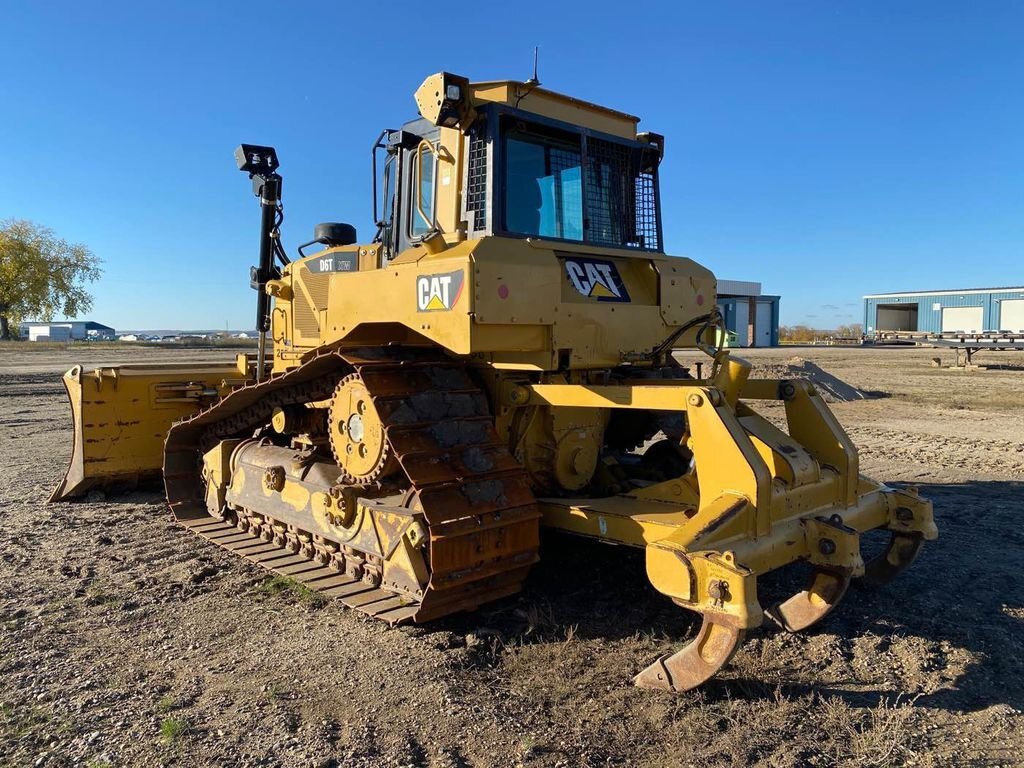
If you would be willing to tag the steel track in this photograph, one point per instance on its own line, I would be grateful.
(482, 517)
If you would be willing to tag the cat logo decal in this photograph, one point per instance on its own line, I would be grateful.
(596, 279)
(437, 293)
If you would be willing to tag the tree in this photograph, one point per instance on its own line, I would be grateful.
(40, 274)
(797, 333)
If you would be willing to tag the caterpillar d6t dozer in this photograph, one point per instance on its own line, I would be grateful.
(495, 360)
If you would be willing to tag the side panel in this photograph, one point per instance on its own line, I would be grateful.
(604, 305)
(517, 285)
(430, 297)
(302, 297)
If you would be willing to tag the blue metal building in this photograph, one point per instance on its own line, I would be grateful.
(65, 330)
(751, 315)
(973, 310)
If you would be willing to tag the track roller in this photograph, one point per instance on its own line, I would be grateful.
(807, 607)
(696, 662)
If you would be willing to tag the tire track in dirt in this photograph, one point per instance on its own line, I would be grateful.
(940, 453)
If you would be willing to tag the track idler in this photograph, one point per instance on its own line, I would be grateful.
(696, 662)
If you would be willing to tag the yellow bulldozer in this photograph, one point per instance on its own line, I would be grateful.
(498, 359)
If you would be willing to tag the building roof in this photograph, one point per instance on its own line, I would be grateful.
(943, 292)
(738, 288)
(92, 325)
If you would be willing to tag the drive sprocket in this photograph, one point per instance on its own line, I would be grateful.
(358, 440)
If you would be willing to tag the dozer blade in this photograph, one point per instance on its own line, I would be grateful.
(121, 416)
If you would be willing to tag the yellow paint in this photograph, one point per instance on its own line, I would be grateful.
(295, 495)
(121, 415)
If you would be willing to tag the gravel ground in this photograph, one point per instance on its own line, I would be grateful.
(126, 641)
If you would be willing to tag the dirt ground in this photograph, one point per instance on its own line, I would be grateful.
(125, 640)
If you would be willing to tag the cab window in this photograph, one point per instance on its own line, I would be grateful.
(388, 198)
(422, 207)
(544, 186)
(579, 186)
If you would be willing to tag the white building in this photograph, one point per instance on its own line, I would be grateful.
(65, 330)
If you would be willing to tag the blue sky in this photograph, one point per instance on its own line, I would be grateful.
(826, 149)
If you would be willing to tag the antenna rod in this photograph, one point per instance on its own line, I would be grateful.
(534, 80)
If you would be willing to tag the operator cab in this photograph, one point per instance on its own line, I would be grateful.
(513, 160)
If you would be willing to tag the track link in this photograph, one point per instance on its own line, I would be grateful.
(482, 517)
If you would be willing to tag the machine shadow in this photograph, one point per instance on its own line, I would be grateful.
(964, 591)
